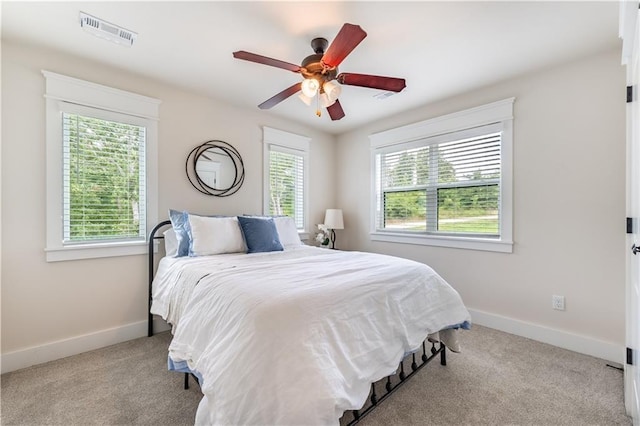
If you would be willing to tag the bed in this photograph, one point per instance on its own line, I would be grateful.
(295, 335)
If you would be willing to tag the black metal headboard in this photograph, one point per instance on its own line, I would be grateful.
(152, 238)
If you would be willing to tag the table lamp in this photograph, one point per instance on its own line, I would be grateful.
(333, 220)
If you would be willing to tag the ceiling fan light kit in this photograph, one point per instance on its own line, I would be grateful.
(332, 89)
(306, 99)
(325, 101)
(310, 87)
(320, 72)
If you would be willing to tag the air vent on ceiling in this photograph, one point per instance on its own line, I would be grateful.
(106, 30)
(383, 95)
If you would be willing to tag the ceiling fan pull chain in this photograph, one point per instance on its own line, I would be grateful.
(318, 113)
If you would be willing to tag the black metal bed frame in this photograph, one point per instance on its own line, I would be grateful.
(152, 240)
(389, 384)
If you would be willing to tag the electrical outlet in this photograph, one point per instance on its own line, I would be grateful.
(557, 302)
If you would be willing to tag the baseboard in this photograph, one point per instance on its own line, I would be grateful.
(51, 351)
(63, 348)
(563, 339)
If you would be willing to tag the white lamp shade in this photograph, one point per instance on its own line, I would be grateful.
(306, 99)
(310, 87)
(325, 101)
(333, 90)
(333, 219)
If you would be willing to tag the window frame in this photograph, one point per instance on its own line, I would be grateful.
(65, 93)
(499, 114)
(290, 143)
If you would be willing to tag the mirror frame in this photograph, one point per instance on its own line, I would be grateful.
(198, 183)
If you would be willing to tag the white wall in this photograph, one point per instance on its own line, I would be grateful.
(569, 160)
(569, 208)
(48, 308)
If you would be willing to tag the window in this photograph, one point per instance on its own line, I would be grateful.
(446, 181)
(101, 170)
(286, 175)
(103, 180)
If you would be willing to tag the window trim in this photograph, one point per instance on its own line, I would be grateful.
(63, 89)
(500, 112)
(294, 144)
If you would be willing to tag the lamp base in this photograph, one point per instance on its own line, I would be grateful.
(333, 239)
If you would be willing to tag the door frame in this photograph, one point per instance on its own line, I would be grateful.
(630, 34)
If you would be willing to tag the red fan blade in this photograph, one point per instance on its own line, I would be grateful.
(247, 56)
(347, 39)
(335, 111)
(281, 96)
(372, 81)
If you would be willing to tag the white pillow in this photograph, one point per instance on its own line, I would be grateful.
(215, 235)
(287, 231)
(170, 242)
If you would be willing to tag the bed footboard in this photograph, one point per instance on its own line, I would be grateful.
(382, 389)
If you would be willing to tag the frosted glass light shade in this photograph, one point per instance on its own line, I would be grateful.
(333, 90)
(333, 219)
(310, 87)
(304, 98)
(325, 101)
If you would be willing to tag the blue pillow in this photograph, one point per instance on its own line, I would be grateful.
(180, 223)
(260, 234)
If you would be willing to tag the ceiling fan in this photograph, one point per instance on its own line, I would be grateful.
(320, 72)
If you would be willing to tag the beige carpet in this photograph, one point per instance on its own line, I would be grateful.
(498, 379)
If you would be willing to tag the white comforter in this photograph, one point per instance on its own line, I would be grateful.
(296, 337)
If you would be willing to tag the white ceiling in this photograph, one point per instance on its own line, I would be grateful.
(440, 48)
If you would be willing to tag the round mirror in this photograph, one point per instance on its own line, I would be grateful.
(215, 168)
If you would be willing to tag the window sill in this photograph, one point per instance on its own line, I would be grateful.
(304, 235)
(468, 243)
(94, 251)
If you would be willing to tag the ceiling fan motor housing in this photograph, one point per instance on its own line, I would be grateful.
(319, 45)
(312, 66)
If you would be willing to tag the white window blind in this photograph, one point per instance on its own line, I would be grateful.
(104, 180)
(446, 185)
(286, 184)
(446, 181)
(286, 176)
